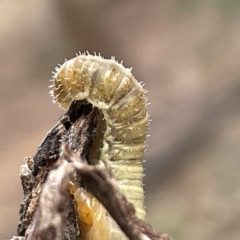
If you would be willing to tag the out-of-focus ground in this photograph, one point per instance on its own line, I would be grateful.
(187, 53)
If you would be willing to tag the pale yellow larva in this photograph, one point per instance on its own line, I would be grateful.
(95, 221)
(112, 88)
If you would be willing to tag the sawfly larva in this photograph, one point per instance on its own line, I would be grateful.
(111, 88)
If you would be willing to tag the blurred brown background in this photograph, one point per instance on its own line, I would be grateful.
(187, 53)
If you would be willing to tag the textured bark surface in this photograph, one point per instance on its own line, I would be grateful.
(76, 128)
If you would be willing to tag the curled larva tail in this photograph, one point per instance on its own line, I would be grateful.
(113, 89)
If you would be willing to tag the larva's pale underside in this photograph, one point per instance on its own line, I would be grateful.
(111, 88)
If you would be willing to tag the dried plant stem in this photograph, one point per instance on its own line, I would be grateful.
(47, 211)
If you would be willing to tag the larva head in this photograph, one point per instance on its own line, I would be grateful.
(71, 82)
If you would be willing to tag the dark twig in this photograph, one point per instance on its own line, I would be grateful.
(47, 210)
(50, 217)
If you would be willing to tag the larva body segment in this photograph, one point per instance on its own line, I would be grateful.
(113, 89)
(96, 223)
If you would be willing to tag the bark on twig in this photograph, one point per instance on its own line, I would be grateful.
(48, 211)
(50, 218)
